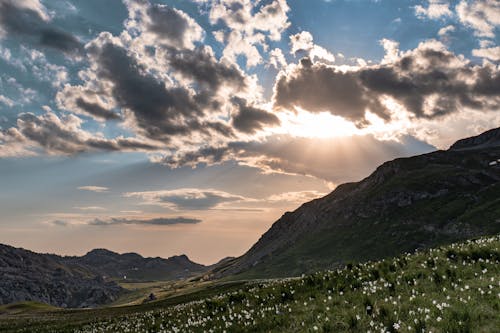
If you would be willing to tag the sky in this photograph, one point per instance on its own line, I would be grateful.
(190, 126)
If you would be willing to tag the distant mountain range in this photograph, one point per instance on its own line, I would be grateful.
(406, 204)
(133, 267)
(85, 281)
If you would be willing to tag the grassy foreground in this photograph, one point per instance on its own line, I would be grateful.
(453, 288)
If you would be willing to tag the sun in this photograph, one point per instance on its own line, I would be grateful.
(316, 125)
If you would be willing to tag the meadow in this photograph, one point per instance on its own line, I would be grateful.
(453, 288)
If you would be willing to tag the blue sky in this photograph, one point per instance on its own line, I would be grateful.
(223, 113)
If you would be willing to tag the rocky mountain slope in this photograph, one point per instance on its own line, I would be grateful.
(85, 281)
(407, 203)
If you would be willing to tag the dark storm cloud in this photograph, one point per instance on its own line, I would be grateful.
(64, 136)
(155, 221)
(321, 87)
(429, 82)
(250, 119)
(60, 40)
(96, 110)
(21, 20)
(169, 23)
(159, 112)
(200, 65)
(164, 24)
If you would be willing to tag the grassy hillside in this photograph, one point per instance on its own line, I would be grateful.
(454, 288)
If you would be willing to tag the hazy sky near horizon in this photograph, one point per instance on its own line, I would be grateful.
(171, 127)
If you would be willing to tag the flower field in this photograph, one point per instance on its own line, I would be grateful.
(454, 288)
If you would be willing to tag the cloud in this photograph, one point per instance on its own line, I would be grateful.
(162, 24)
(96, 110)
(491, 53)
(248, 24)
(160, 221)
(250, 119)
(62, 135)
(481, 15)
(190, 92)
(319, 87)
(6, 101)
(435, 9)
(201, 66)
(302, 43)
(332, 159)
(86, 101)
(194, 199)
(187, 198)
(29, 18)
(428, 82)
(112, 221)
(91, 208)
(277, 58)
(92, 188)
(295, 197)
(60, 223)
(164, 112)
(443, 32)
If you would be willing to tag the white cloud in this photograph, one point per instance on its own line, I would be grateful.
(295, 197)
(446, 30)
(248, 24)
(391, 50)
(481, 15)
(434, 10)
(303, 42)
(491, 53)
(7, 101)
(277, 58)
(92, 188)
(90, 208)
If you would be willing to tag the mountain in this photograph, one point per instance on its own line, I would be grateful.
(406, 204)
(29, 276)
(487, 139)
(86, 281)
(132, 266)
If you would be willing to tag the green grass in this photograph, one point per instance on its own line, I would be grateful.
(25, 307)
(454, 288)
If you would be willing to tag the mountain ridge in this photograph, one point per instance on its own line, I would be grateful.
(405, 204)
(85, 281)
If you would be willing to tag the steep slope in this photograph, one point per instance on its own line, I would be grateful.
(407, 203)
(29, 276)
(132, 266)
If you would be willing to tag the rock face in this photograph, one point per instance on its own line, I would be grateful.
(29, 276)
(405, 204)
(86, 281)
